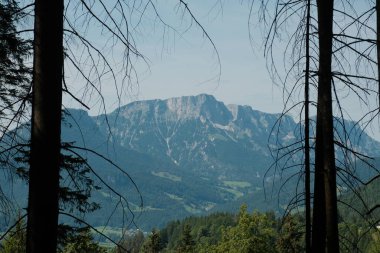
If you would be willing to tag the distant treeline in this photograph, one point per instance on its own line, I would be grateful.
(247, 232)
(243, 232)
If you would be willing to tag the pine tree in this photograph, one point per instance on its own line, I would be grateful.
(14, 74)
(131, 243)
(186, 244)
(16, 239)
(83, 243)
(253, 234)
(153, 243)
(290, 238)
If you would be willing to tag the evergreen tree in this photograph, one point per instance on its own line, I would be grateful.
(374, 243)
(83, 243)
(291, 236)
(15, 83)
(254, 233)
(186, 244)
(14, 74)
(16, 239)
(131, 243)
(153, 243)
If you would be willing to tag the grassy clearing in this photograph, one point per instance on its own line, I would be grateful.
(237, 194)
(167, 175)
(192, 209)
(174, 197)
(237, 184)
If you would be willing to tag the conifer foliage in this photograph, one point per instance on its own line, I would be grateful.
(14, 73)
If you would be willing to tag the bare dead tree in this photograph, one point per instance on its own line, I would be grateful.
(307, 132)
(350, 76)
(325, 218)
(300, 55)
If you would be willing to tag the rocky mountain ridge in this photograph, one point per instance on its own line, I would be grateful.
(190, 156)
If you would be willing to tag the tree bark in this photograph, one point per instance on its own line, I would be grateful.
(307, 135)
(46, 127)
(325, 220)
(378, 45)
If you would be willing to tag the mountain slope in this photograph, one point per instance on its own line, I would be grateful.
(221, 150)
(189, 155)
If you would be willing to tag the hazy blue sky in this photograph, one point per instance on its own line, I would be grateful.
(192, 67)
(185, 63)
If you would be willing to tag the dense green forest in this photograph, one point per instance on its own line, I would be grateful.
(263, 232)
(243, 232)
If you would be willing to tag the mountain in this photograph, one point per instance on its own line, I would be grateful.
(197, 134)
(190, 155)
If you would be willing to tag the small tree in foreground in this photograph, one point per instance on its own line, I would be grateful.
(254, 233)
(15, 241)
(186, 243)
(153, 243)
(83, 243)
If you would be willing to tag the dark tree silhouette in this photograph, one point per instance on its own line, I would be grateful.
(42, 226)
(293, 160)
(57, 25)
(354, 59)
(14, 73)
(14, 86)
(325, 218)
(378, 45)
(307, 132)
(15, 145)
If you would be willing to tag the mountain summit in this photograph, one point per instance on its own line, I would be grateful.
(194, 154)
(190, 155)
(196, 133)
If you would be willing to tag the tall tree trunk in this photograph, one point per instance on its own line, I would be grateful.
(319, 211)
(307, 134)
(325, 237)
(378, 45)
(46, 127)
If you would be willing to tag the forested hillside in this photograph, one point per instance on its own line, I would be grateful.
(247, 232)
(187, 156)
